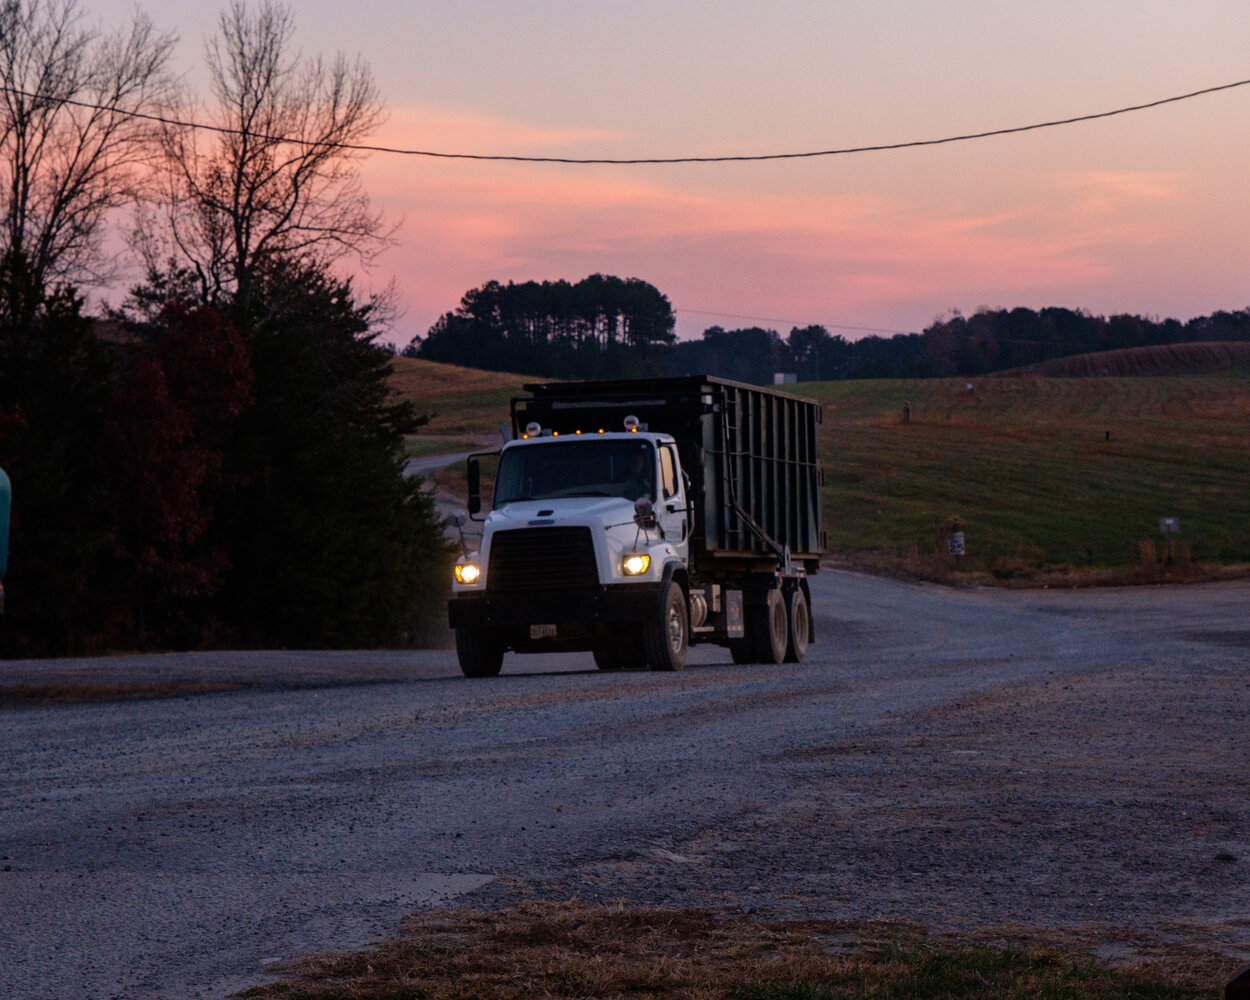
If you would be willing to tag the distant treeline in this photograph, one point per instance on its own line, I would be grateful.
(600, 327)
(605, 327)
(990, 341)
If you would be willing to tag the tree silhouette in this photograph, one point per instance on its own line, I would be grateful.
(72, 147)
(279, 183)
(600, 327)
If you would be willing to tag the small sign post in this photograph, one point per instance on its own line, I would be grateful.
(1170, 526)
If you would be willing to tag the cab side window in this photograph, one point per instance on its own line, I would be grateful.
(668, 472)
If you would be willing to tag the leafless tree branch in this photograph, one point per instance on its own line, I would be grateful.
(68, 166)
(277, 181)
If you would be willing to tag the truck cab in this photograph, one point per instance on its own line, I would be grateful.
(585, 532)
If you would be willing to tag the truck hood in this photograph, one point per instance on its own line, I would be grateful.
(604, 511)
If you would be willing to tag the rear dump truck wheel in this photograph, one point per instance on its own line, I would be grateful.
(770, 629)
(665, 639)
(480, 652)
(800, 625)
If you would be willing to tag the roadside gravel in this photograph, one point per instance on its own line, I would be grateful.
(1071, 760)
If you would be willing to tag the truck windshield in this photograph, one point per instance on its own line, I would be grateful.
(587, 468)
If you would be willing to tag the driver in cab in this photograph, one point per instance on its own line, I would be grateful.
(637, 478)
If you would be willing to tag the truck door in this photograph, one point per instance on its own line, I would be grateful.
(671, 510)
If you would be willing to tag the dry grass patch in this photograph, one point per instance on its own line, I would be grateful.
(572, 950)
(461, 400)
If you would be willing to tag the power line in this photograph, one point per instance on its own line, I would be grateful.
(350, 147)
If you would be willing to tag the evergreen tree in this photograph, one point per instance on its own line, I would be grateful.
(54, 397)
(173, 420)
(600, 327)
(329, 544)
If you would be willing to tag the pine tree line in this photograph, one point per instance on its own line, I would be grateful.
(606, 327)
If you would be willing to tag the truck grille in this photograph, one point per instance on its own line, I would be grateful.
(545, 559)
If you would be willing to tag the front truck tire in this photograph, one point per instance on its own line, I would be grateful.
(666, 638)
(479, 651)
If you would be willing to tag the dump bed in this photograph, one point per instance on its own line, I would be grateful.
(751, 454)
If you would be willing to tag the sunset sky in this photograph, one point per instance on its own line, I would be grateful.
(1145, 213)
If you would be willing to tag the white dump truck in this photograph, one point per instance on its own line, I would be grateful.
(635, 518)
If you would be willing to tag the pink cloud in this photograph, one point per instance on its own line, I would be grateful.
(1107, 191)
(850, 257)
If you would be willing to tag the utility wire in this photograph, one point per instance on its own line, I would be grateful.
(349, 147)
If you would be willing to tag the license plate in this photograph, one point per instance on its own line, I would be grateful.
(542, 631)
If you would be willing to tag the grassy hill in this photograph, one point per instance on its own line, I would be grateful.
(464, 402)
(1062, 479)
(1046, 475)
(1220, 358)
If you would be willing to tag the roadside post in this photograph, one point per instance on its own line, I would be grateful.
(1170, 526)
(954, 529)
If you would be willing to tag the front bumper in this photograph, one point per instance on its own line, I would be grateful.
(604, 604)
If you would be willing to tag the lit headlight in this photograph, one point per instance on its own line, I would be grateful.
(635, 563)
(467, 573)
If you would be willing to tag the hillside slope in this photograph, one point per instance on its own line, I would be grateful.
(1041, 473)
(462, 401)
(1215, 358)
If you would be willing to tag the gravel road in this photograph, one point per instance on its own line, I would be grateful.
(960, 758)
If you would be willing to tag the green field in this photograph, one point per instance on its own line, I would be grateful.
(1043, 474)
(1061, 479)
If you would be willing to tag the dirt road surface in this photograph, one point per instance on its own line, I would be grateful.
(1071, 759)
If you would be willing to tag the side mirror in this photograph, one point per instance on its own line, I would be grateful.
(644, 513)
(473, 470)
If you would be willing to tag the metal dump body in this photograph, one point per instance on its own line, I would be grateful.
(751, 454)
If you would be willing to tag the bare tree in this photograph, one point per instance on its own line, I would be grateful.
(73, 141)
(276, 177)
